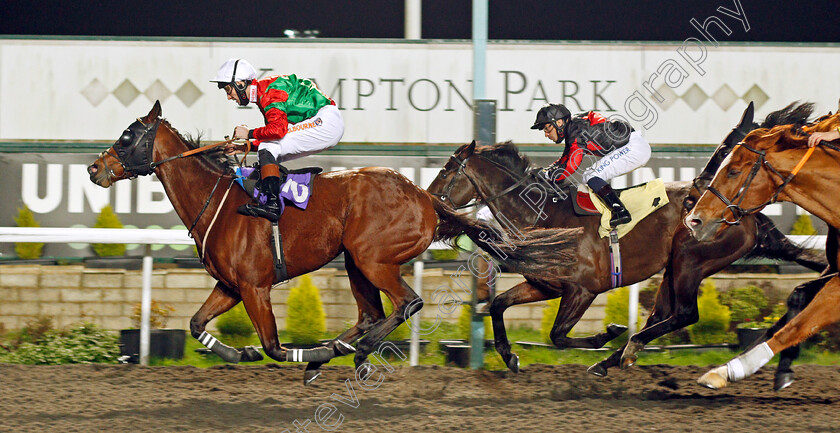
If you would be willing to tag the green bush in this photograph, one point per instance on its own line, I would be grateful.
(235, 326)
(465, 324)
(744, 303)
(27, 250)
(84, 344)
(616, 311)
(306, 323)
(803, 226)
(158, 315)
(713, 326)
(549, 313)
(402, 332)
(108, 219)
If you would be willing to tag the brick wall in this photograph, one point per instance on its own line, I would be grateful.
(107, 297)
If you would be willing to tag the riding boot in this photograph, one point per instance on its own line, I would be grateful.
(620, 215)
(269, 186)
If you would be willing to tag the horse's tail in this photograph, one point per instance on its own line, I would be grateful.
(539, 253)
(772, 244)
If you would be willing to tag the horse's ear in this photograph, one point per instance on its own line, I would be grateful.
(470, 149)
(747, 117)
(155, 112)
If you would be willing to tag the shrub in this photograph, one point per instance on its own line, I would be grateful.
(235, 326)
(745, 303)
(549, 313)
(108, 219)
(714, 320)
(402, 332)
(27, 250)
(306, 323)
(84, 344)
(803, 226)
(465, 324)
(616, 311)
(158, 315)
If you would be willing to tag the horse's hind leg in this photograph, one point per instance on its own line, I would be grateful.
(576, 299)
(221, 299)
(406, 303)
(370, 313)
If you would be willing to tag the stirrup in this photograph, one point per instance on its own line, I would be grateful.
(618, 218)
(258, 211)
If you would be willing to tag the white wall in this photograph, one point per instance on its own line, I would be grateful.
(66, 89)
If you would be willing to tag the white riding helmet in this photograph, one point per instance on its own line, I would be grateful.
(243, 70)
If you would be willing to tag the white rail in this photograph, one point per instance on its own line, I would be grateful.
(150, 237)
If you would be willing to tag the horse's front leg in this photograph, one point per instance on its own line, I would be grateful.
(521, 293)
(575, 301)
(257, 303)
(221, 299)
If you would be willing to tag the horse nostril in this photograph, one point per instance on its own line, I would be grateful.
(695, 222)
(92, 169)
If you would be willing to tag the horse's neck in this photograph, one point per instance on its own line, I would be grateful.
(189, 184)
(522, 205)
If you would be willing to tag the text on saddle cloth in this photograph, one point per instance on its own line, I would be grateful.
(296, 188)
(640, 201)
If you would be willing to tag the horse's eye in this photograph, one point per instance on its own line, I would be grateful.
(733, 173)
(126, 138)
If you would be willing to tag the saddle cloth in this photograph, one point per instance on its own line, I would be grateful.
(640, 201)
(296, 188)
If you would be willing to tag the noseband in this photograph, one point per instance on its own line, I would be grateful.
(462, 166)
(734, 205)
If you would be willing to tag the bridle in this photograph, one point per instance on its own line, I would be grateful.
(462, 166)
(134, 150)
(734, 205)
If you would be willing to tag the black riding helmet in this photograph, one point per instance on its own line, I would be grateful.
(550, 114)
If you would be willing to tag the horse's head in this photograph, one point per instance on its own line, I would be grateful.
(749, 178)
(451, 185)
(131, 154)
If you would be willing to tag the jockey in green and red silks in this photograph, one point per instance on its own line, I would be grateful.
(300, 120)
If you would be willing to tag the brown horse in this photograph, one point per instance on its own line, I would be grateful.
(776, 165)
(375, 216)
(500, 177)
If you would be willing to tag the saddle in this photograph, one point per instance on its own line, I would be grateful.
(640, 200)
(295, 185)
(295, 188)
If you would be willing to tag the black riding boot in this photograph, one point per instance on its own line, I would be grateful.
(620, 215)
(269, 186)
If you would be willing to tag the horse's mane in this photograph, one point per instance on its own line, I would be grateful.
(791, 136)
(795, 113)
(505, 154)
(214, 159)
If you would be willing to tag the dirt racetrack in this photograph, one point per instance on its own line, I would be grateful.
(272, 398)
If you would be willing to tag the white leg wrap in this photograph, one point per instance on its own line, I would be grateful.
(207, 340)
(748, 363)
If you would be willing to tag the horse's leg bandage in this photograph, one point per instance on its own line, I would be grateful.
(748, 363)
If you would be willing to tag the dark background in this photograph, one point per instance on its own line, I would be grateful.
(643, 20)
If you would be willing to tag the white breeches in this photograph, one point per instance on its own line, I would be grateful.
(313, 135)
(623, 160)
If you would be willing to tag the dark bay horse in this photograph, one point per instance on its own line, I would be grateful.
(776, 165)
(375, 216)
(499, 176)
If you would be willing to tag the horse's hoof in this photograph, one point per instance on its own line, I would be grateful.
(615, 329)
(513, 363)
(364, 370)
(715, 378)
(628, 361)
(782, 380)
(250, 354)
(597, 370)
(341, 348)
(309, 376)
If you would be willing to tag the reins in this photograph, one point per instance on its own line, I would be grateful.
(739, 212)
